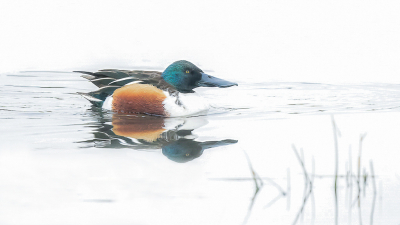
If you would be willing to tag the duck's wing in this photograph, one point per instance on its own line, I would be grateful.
(110, 77)
(109, 80)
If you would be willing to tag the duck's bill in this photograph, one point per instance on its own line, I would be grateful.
(210, 81)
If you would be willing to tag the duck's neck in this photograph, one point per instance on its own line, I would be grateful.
(170, 88)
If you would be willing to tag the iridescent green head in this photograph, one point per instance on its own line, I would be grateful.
(185, 76)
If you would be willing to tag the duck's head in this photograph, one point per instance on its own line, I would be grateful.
(185, 76)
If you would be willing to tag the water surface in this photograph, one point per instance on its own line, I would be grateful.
(264, 154)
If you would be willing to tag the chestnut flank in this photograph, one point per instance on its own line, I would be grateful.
(139, 98)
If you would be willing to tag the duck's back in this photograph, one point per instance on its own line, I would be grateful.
(111, 77)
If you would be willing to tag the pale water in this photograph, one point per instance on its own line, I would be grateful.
(264, 154)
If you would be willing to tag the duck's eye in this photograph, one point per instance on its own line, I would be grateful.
(187, 71)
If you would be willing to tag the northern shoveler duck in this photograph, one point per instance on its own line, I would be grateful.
(169, 93)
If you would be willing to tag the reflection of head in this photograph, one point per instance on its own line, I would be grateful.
(184, 150)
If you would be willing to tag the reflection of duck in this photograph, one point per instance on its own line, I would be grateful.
(150, 92)
(172, 135)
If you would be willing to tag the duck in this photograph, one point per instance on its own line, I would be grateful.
(169, 93)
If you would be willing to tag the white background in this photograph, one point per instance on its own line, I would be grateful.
(306, 41)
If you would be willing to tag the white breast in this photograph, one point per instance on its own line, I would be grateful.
(191, 103)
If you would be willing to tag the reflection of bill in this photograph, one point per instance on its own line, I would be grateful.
(173, 135)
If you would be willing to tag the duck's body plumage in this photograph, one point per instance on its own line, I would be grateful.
(151, 92)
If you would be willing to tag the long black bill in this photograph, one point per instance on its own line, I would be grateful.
(210, 81)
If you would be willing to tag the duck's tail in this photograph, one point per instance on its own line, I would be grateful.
(98, 97)
(105, 80)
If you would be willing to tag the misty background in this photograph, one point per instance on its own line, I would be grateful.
(254, 41)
